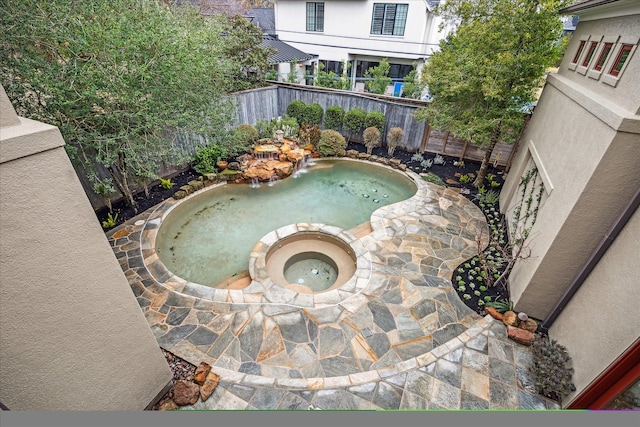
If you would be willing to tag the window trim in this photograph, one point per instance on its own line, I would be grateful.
(623, 48)
(613, 79)
(397, 16)
(586, 58)
(603, 62)
(312, 26)
(583, 41)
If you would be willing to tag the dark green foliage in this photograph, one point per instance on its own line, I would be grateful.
(331, 143)
(379, 77)
(334, 117)
(354, 121)
(375, 119)
(296, 109)
(205, 158)
(312, 115)
(434, 179)
(247, 134)
(501, 306)
(551, 368)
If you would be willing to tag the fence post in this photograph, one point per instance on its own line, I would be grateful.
(426, 134)
(444, 142)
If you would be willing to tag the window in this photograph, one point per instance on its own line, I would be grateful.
(606, 50)
(315, 17)
(579, 52)
(389, 19)
(587, 58)
(623, 54)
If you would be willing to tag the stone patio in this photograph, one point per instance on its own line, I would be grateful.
(399, 338)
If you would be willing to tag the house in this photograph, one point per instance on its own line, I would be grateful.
(574, 189)
(286, 63)
(360, 33)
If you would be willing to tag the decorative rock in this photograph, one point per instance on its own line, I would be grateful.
(363, 156)
(180, 194)
(394, 162)
(197, 185)
(187, 189)
(213, 177)
(169, 405)
(402, 167)
(234, 166)
(510, 318)
(209, 386)
(341, 152)
(529, 325)
(201, 373)
(185, 393)
(352, 154)
(373, 158)
(494, 313)
(520, 336)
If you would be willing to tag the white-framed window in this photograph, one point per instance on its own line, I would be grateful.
(619, 60)
(315, 17)
(389, 19)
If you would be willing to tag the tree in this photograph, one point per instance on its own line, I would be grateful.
(413, 84)
(489, 68)
(333, 80)
(379, 77)
(120, 79)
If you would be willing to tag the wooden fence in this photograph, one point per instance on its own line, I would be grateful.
(272, 101)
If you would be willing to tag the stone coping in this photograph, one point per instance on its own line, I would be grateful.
(262, 290)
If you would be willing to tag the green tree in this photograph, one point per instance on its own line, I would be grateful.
(413, 84)
(121, 79)
(334, 117)
(354, 121)
(333, 80)
(379, 77)
(490, 68)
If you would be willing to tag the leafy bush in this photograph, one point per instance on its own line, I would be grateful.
(166, 183)
(371, 138)
(354, 121)
(287, 124)
(205, 158)
(247, 134)
(110, 222)
(393, 139)
(312, 115)
(296, 109)
(376, 119)
(490, 197)
(551, 369)
(331, 143)
(333, 117)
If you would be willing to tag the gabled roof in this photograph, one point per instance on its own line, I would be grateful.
(432, 4)
(263, 17)
(284, 52)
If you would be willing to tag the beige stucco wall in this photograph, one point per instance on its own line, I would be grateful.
(602, 319)
(626, 93)
(72, 334)
(591, 171)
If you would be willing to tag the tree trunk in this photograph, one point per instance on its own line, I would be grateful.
(487, 157)
(120, 179)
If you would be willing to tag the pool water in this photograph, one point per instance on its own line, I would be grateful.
(208, 238)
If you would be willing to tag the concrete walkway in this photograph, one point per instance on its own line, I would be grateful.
(398, 337)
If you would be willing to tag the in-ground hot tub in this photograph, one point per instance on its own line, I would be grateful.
(311, 261)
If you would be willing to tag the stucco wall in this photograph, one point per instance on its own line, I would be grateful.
(602, 320)
(73, 336)
(588, 166)
(626, 93)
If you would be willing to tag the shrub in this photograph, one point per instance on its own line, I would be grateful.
(166, 183)
(376, 119)
(110, 222)
(354, 121)
(247, 134)
(334, 117)
(311, 115)
(393, 139)
(205, 158)
(371, 138)
(296, 109)
(267, 129)
(551, 369)
(331, 143)
(434, 179)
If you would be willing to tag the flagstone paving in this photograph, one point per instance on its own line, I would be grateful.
(398, 337)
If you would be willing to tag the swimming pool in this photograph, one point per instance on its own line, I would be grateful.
(208, 237)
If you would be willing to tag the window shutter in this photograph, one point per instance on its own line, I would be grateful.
(389, 19)
(378, 16)
(319, 16)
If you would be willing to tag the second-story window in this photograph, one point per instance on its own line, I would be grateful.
(389, 19)
(315, 17)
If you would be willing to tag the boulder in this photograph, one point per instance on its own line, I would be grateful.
(352, 154)
(520, 336)
(180, 194)
(210, 384)
(494, 313)
(510, 318)
(529, 325)
(185, 393)
(201, 373)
